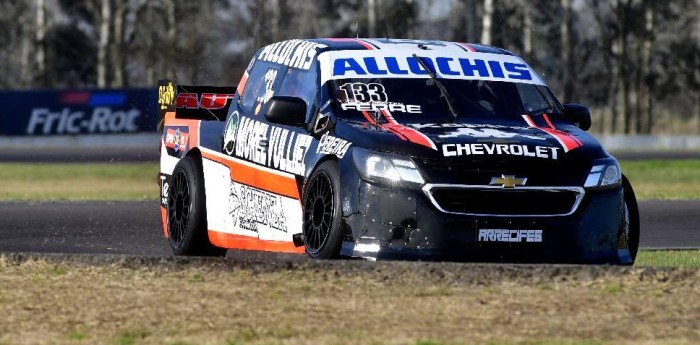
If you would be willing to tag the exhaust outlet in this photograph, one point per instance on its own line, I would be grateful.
(298, 239)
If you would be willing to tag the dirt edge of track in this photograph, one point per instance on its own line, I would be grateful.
(446, 272)
(262, 299)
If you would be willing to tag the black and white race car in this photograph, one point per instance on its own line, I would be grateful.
(387, 148)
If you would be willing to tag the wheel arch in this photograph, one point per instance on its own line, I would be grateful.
(195, 152)
(198, 242)
(633, 209)
(348, 188)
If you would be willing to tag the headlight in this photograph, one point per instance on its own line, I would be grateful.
(604, 175)
(386, 168)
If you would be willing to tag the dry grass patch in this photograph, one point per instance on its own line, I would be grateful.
(68, 303)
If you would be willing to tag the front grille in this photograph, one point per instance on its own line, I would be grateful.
(472, 172)
(498, 201)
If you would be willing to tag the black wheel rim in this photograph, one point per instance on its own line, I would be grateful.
(318, 212)
(178, 208)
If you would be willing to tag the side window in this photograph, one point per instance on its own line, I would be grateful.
(536, 98)
(302, 84)
(262, 83)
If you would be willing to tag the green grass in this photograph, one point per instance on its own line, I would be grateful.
(669, 258)
(664, 179)
(130, 337)
(652, 179)
(76, 335)
(78, 181)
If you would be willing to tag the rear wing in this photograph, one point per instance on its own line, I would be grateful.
(193, 102)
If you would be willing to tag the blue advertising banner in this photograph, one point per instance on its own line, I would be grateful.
(51, 112)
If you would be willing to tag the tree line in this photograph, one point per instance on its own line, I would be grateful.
(636, 63)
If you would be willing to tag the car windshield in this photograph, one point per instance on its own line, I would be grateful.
(419, 100)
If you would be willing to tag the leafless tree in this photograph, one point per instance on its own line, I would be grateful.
(486, 20)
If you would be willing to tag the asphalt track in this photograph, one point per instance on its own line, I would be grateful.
(134, 227)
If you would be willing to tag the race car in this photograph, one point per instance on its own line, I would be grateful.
(390, 149)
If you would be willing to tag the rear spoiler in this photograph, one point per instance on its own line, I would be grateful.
(193, 102)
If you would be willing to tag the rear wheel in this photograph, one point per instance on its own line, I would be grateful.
(322, 231)
(187, 213)
(629, 229)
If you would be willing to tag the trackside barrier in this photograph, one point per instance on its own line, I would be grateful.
(619, 142)
(42, 113)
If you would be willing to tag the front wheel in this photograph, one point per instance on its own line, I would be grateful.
(322, 231)
(629, 229)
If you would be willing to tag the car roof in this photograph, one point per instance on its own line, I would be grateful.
(400, 44)
(299, 53)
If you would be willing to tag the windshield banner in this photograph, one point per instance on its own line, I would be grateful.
(364, 64)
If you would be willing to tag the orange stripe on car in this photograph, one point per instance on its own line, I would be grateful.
(242, 83)
(164, 217)
(258, 177)
(226, 240)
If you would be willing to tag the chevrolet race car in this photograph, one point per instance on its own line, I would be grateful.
(388, 148)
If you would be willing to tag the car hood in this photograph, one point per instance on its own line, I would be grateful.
(476, 141)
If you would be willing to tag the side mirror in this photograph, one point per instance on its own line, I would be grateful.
(285, 110)
(579, 114)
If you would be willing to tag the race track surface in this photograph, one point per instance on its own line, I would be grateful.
(134, 227)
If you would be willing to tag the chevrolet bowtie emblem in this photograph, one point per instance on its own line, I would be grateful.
(508, 181)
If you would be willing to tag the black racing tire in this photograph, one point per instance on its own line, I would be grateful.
(187, 211)
(322, 230)
(629, 231)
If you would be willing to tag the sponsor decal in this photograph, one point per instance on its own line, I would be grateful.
(487, 133)
(164, 187)
(467, 67)
(293, 53)
(333, 146)
(507, 235)
(265, 95)
(371, 97)
(374, 107)
(251, 207)
(176, 138)
(269, 79)
(166, 94)
(230, 133)
(399, 64)
(272, 146)
(478, 131)
(546, 152)
(211, 101)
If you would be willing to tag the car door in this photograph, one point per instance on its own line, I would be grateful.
(264, 192)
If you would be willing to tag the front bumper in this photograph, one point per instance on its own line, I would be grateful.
(402, 223)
